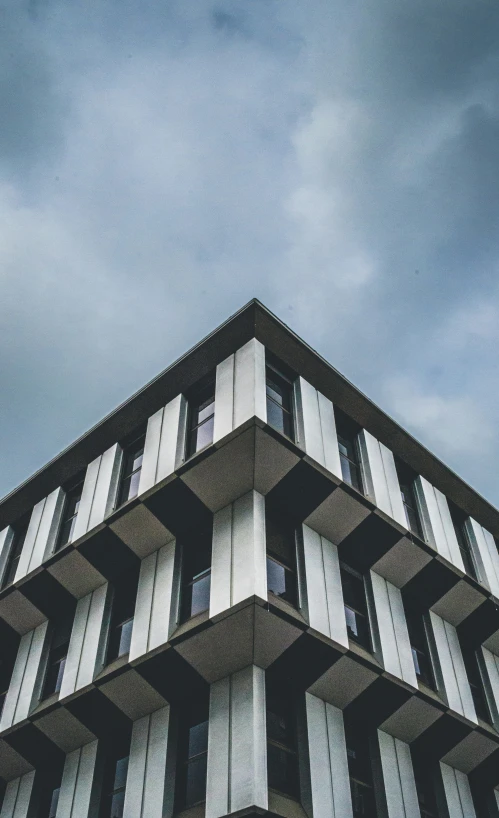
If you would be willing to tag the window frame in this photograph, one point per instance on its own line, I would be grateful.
(195, 405)
(348, 430)
(19, 532)
(187, 557)
(187, 719)
(345, 568)
(123, 600)
(130, 445)
(406, 478)
(74, 491)
(57, 649)
(465, 545)
(355, 738)
(281, 522)
(108, 788)
(285, 698)
(478, 684)
(288, 380)
(418, 621)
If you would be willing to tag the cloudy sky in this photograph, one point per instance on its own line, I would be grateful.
(164, 161)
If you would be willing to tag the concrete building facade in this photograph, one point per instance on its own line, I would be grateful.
(248, 591)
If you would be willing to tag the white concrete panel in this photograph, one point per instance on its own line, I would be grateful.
(221, 561)
(146, 780)
(151, 451)
(17, 797)
(42, 533)
(249, 573)
(392, 627)
(172, 443)
(328, 760)
(104, 499)
(153, 608)
(491, 662)
(329, 435)
(373, 471)
(249, 383)
(309, 422)
(6, 536)
(486, 555)
(77, 782)
(248, 740)
(10, 705)
(324, 592)
(224, 399)
(25, 676)
(451, 662)
(393, 485)
(436, 521)
(217, 778)
(87, 498)
(457, 793)
(398, 777)
(85, 654)
(449, 531)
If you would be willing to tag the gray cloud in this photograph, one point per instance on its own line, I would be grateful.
(163, 163)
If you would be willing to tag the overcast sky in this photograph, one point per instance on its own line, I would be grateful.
(164, 161)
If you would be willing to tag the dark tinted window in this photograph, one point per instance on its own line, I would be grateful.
(121, 621)
(133, 455)
(57, 655)
(196, 577)
(475, 680)
(114, 785)
(416, 625)
(406, 478)
(19, 535)
(48, 800)
(424, 776)
(459, 520)
(281, 556)
(70, 513)
(360, 772)
(192, 757)
(355, 601)
(282, 758)
(347, 431)
(201, 417)
(279, 401)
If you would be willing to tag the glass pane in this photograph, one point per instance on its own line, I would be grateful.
(204, 434)
(120, 773)
(206, 410)
(195, 781)
(198, 739)
(117, 805)
(274, 392)
(281, 581)
(354, 592)
(363, 802)
(60, 674)
(133, 485)
(275, 416)
(350, 472)
(125, 637)
(65, 535)
(53, 803)
(200, 595)
(358, 628)
(279, 727)
(282, 770)
(137, 459)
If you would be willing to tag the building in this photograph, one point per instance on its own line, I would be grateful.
(249, 591)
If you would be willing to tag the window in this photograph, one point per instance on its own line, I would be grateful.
(196, 577)
(192, 757)
(121, 621)
(355, 601)
(16, 547)
(282, 758)
(406, 478)
(56, 660)
(279, 401)
(201, 416)
(458, 521)
(281, 557)
(360, 773)
(114, 784)
(69, 513)
(475, 680)
(425, 788)
(420, 648)
(6, 668)
(49, 799)
(133, 454)
(347, 431)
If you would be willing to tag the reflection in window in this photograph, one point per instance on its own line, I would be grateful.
(57, 655)
(281, 557)
(114, 785)
(360, 773)
(133, 455)
(279, 402)
(355, 602)
(69, 513)
(121, 621)
(196, 577)
(192, 758)
(282, 758)
(406, 478)
(421, 655)
(458, 521)
(201, 417)
(347, 431)
(19, 535)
